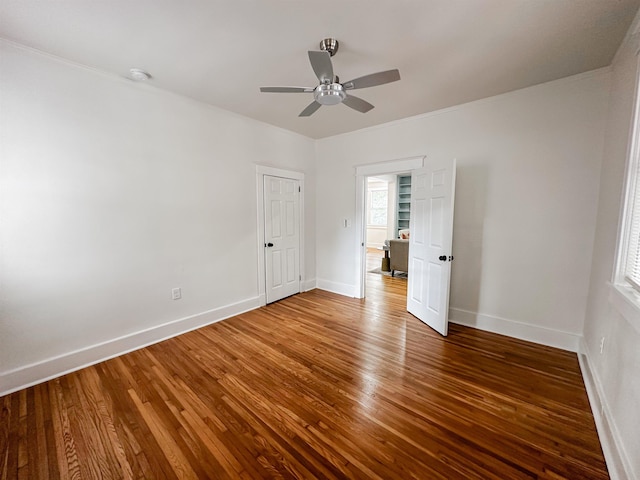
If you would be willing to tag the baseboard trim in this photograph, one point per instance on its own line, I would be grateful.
(308, 285)
(336, 287)
(523, 331)
(615, 455)
(23, 377)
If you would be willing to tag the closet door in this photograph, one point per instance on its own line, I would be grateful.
(282, 237)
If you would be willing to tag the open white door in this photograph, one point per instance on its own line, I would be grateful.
(430, 242)
(281, 237)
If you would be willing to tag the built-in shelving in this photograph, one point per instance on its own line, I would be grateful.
(404, 203)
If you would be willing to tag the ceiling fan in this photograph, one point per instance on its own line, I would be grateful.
(330, 91)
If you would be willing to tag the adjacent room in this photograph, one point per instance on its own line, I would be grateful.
(264, 239)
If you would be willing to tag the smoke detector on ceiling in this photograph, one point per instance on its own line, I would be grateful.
(139, 75)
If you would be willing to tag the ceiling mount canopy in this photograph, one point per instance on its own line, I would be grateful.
(329, 45)
(330, 91)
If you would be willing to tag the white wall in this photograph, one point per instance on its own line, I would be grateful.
(615, 374)
(376, 236)
(113, 193)
(525, 209)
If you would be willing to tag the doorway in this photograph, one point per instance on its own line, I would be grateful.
(428, 262)
(384, 215)
(391, 168)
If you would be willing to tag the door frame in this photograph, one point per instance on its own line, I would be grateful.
(261, 171)
(362, 172)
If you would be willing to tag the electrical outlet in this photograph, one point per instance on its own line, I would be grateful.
(176, 294)
(602, 345)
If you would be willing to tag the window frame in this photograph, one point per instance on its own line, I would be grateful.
(625, 294)
(631, 189)
(631, 219)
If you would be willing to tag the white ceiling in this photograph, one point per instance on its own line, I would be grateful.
(221, 51)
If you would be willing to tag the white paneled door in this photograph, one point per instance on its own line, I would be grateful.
(430, 242)
(281, 237)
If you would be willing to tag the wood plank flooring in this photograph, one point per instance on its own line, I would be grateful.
(314, 386)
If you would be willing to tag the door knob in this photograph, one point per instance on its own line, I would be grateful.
(442, 258)
(268, 244)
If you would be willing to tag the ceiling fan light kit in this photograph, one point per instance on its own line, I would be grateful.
(330, 91)
(330, 94)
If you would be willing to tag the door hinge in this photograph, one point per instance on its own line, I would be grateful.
(299, 190)
(300, 277)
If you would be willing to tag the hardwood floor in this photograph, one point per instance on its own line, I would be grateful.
(314, 386)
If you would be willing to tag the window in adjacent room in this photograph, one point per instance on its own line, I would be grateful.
(378, 206)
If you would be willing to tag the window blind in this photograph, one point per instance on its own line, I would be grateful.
(632, 264)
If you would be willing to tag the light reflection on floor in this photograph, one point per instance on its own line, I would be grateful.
(382, 291)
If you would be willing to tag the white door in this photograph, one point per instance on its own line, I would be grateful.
(281, 237)
(430, 241)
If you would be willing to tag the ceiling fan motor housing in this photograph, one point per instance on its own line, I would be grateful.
(329, 94)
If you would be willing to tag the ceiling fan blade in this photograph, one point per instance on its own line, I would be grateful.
(321, 64)
(310, 110)
(373, 79)
(286, 89)
(357, 104)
